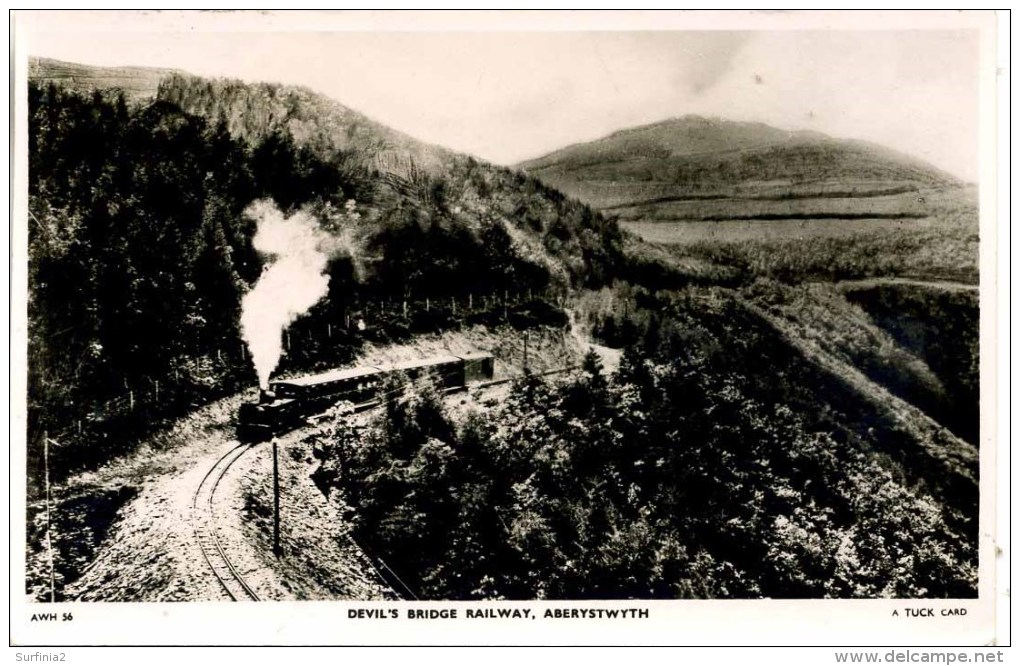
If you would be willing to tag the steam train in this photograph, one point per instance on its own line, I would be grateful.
(289, 402)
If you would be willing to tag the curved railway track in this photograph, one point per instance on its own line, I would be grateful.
(204, 518)
(204, 522)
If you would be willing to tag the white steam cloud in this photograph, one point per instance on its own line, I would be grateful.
(293, 280)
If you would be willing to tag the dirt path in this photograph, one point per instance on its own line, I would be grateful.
(152, 554)
(318, 560)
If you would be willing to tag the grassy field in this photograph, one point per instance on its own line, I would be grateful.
(695, 231)
(942, 246)
(899, 206)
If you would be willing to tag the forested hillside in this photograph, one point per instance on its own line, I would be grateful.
(252, 112)
(138, 84)
(792, 417)
(720, 461)
(140, 251)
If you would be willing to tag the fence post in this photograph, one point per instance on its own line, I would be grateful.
(49, 525)
(428, 305)
(131, 399)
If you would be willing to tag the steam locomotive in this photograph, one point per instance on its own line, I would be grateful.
(289, 402)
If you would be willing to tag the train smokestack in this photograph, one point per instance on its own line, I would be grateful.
(266, 396)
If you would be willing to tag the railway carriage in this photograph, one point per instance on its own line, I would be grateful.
(289, 402)
(447, 369)
(345, 384)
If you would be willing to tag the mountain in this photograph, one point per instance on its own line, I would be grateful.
(695, 168)
(254, 111)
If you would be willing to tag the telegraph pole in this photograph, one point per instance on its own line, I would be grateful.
(276, 502)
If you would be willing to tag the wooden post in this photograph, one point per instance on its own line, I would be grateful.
(428, 305)
(131, 399)
(49, 525)
(276, 502)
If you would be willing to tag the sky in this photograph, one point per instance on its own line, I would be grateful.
(506, 96)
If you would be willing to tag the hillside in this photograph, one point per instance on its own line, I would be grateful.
(141, 244)
(694, 168)
(758, 434)
(255, 111)
(251, 111)
(137, 83)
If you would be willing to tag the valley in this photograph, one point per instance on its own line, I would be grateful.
(772, 341)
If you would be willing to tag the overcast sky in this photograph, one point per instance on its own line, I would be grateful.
(508, 96)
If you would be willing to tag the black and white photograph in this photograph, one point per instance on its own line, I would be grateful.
(551, 321)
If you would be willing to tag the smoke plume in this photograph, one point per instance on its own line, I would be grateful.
(293, 280)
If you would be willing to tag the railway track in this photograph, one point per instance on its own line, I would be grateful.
(204, 522)
(204, 517)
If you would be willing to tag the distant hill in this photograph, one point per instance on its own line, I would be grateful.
(254, 111)
(695, 168)
(137, 83)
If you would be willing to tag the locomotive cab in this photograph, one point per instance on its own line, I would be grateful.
(254, 423)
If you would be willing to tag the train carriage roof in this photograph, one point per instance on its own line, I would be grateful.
(417, 363)
(340, 374)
